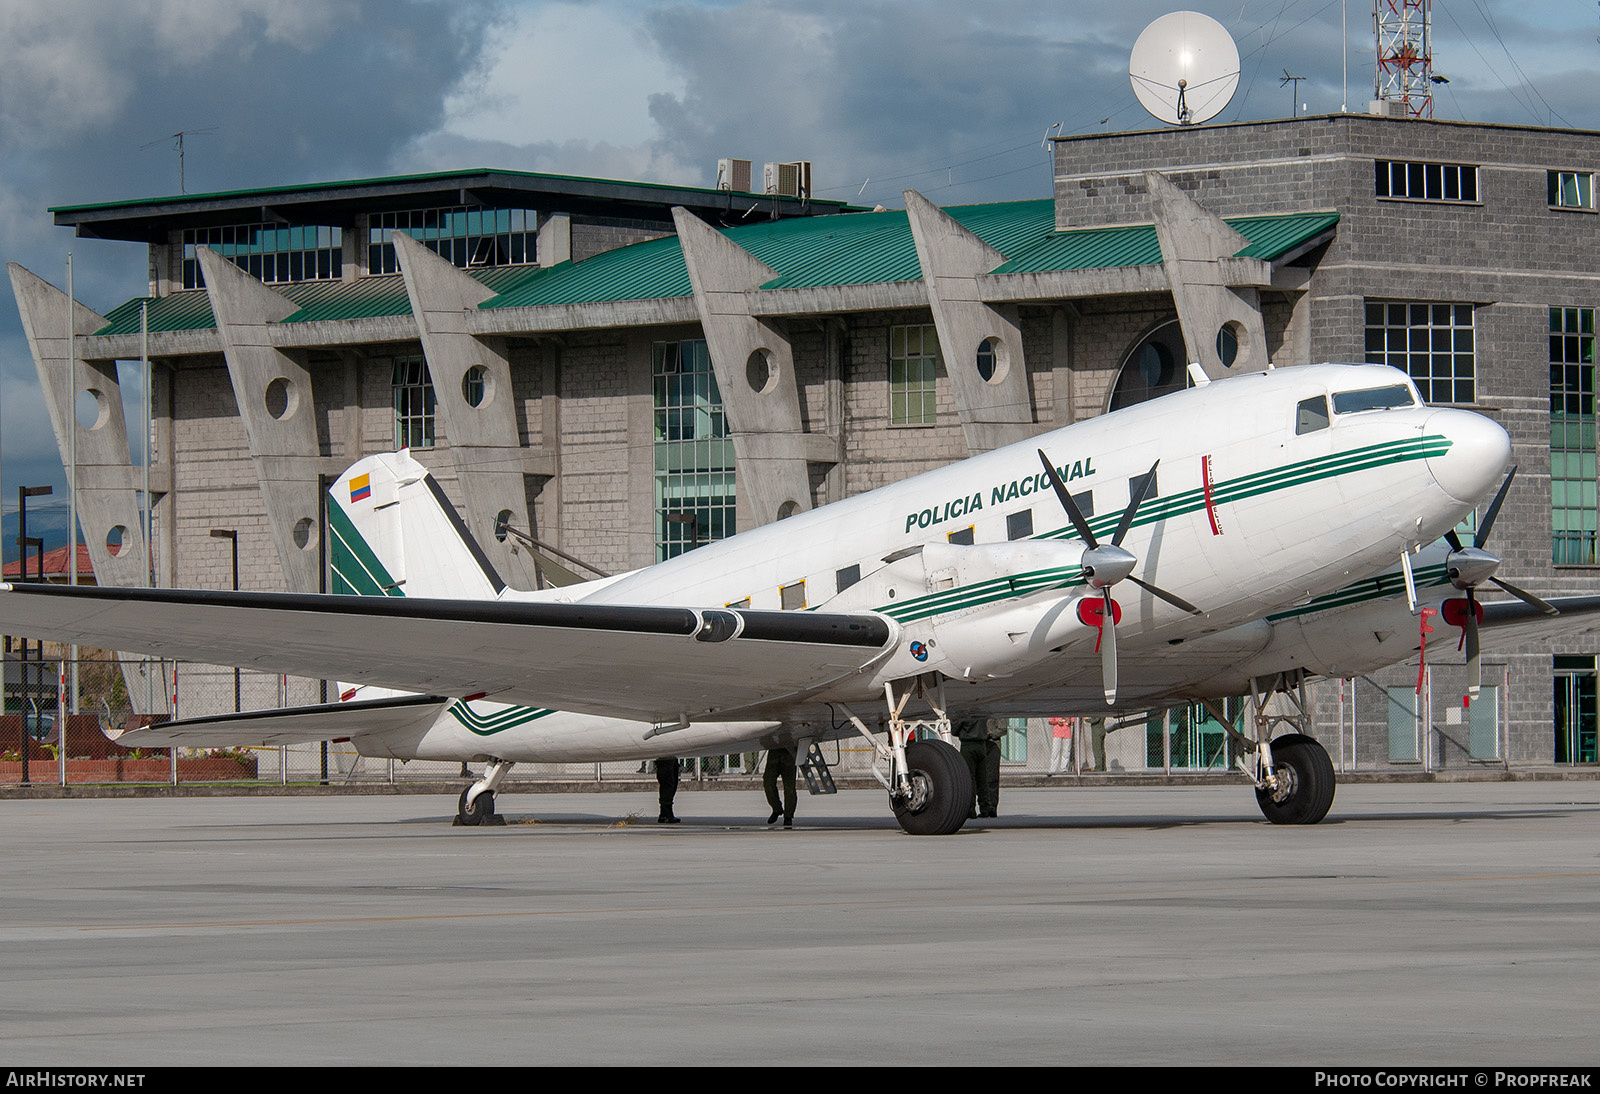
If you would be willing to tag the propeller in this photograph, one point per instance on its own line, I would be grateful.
(1106, 564)
(1469, 567)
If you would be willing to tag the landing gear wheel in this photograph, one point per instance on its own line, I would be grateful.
(1305, 775)
(941, 790)
(481, 811)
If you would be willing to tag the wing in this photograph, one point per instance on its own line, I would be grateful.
(647, 663)
(290, 725)
(1508, 623)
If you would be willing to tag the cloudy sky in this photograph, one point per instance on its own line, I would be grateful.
(948, 97)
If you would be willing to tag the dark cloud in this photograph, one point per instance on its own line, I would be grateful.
(277, 92)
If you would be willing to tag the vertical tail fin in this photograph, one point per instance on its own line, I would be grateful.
(393, 533)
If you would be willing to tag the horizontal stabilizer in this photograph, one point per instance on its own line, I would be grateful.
(289, 725)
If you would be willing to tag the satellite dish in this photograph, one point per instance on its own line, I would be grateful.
(1184, 68)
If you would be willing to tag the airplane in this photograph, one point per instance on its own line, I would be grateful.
(1234, 537)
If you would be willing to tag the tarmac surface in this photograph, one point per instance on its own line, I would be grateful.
(1434, 924)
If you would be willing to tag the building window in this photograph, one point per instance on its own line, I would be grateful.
(1432, 343)
(1427, 181)
(1571, 189)
(1573, 502)
(413, 403)
(1153, 368)
(695, 487)
(913, 364)
(467, 236)
(274, 254)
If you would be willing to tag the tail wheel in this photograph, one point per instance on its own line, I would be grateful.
(479, 811)
(941, 790)
(1305, 782)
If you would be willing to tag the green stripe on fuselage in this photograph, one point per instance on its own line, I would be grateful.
(1159, 509)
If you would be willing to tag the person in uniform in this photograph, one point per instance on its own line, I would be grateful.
(780, 764)
(667, 785)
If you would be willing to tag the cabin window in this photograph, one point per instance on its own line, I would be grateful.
(1377, 398)
(745, 603)
(1431, 343)
(792, 597)
(961, 536)
(1019, 525)
(913, 365)
(847, 577)
(1311, 415)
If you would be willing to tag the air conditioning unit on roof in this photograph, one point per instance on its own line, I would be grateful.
(788, 179)
(733, 175)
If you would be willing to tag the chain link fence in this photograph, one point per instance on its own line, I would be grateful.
(1363, 725)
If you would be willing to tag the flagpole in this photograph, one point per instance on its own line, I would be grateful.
(72, 473)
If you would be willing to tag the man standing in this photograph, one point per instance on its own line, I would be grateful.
(780, 764)
(980, 747)
(667, 785)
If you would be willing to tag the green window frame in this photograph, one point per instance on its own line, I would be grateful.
(1574, 504)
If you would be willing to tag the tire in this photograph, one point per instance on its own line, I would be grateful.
(942, 790)
(480, 812)
(1310, 794)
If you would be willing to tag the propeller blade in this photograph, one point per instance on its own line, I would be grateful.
(1133, 505)
(1108, 652)
(1526, 597)
(1482, 535)
(1474, 661)
(1171, 598)
(1074, 514)
(1453, 540)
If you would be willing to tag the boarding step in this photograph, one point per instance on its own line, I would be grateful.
(819, 779)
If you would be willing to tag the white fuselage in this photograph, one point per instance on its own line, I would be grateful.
(1260, 505)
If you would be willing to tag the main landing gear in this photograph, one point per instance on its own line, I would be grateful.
(476, 806)
(930, 788)
(1293, 774)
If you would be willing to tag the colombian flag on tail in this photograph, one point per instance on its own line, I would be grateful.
(360, 488)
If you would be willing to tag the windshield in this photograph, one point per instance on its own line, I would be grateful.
(1378, 398)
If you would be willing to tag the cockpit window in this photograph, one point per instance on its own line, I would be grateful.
(1377, 398)
(1311, 415)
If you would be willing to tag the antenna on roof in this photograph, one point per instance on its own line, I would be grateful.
(177, 139)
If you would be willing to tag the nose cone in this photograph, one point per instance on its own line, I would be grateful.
(1476, 459)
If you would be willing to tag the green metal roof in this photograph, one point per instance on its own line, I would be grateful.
(1137, 245)
(811, 252)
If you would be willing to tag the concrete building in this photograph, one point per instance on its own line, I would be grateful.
(623, 403)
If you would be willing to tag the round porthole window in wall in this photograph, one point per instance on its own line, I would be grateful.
(91, 409)
(305, 533)
(115, 539)
(502, 521)
(477, 387)
(761, 371)
(282, 398)
(991, 362)
(1228, 343)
